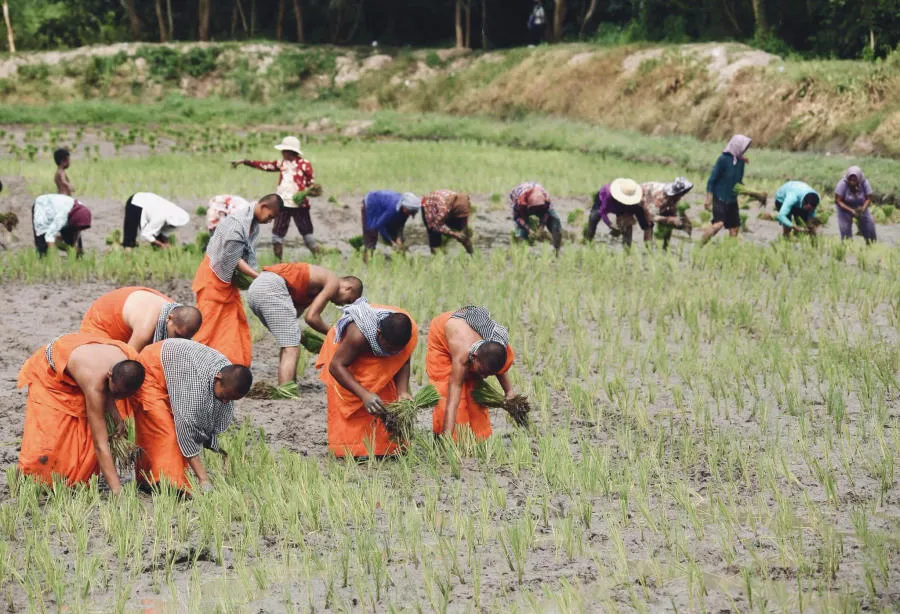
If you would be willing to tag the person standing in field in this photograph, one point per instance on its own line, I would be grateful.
(63, 159)
(231, 254)
(140, 316)
(73, 382)
(385, 213)
(727, 172)
(446, 213)
(151, 216)
(660, 203)
(57, 216)
(283, 291)
(187, 399)
(796, 200)
(531, 199)
(296, 175)
(853, 198)
(465, 347)
(220, 207)
(537, 22)
(621, 197)
(365, 365)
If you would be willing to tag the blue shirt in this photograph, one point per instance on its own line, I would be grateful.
(382, 211)
(791, 196)
(724, 176)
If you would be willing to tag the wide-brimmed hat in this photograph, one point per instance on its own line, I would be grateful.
(626, 191)
(290, 143)
(678, 187)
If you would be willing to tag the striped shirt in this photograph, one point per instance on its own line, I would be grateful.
(234, 240)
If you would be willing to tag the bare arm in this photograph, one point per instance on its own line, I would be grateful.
(313, 315)
(352, 346)
(95, 399)
(454, 393)
(246, 269)
(503, 379)
(142, 333)
(401, 380)
(196, 464)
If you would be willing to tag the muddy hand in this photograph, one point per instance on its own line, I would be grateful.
(374, 404)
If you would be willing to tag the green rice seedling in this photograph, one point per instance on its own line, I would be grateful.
(356, 242)
(705, 216)
(121, 445)
(288, 391)
(399, 417)
(742, 190)
(312, 340)
(315, 190)
(490, 395)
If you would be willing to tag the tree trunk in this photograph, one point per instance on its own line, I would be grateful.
(134, 20)
(590, 13)
(203, 11)
(10, 36)
(468, 10)
(458, 22)
(484, 13)
(252, 18)
(759, 14)
(298, 15)
(280, 20)
(171, 19)
(559, 19)
(872, 39)
(240, 10)
(161, 20)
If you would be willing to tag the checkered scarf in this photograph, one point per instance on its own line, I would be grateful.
(48, 353)
(480, 320)
(190, 369)
(161, 332)
(235, 239)
(366, 319)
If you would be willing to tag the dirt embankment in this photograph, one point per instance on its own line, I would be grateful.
(706, 90)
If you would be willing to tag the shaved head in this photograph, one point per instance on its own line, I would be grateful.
(126, 378)
(235, 381)
(183, 322)
(395, 331)
(492, 356)
(350, 288)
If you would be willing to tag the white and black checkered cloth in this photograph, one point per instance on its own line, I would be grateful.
(161, 331)
(367, 319)
(48, 353)
(235, 238)
(480, 320)
(190, 369)
(270, 299)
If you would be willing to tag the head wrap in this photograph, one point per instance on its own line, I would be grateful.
(678, 187)
(410, 202)
(79, 216)
(738, 146)
(367, 319)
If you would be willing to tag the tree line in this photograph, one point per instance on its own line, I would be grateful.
(814, 28)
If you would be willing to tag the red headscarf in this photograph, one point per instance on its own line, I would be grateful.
(79, 216)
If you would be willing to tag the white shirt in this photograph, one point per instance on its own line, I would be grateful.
(158, 213)
(51, 214)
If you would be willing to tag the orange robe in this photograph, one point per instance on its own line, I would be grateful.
(225, 327)
(57, 437)
(104, 316)
(350, 426)
(438, 365)
(154, 426)
(296, 276)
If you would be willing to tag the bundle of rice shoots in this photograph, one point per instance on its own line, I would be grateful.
(259, 390)
(315, 190)
(9, 221)
(114, 238)
(122, 446)
(240, 280)
(285, 391)
(400, 416)
(312, 340)
(490, 395)
(356, 242)
(742, 190)
(683, 207)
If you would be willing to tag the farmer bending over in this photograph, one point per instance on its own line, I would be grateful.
(794, 201)
(296, 176)
(853, 197)
(385, 213)
(221, 206)
(186, 401)
(73, 383)
(622, 197)
(231, 250)
(151, 216)
(464, 347)
(63, 160)
(57, 216)
(660, 204)
(727, 172)
(531, 199)
(446, 213)
(364, 363)
(281, 293)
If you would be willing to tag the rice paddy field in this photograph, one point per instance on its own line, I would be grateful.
(713, 429)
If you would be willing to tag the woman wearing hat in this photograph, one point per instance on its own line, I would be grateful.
(727, 172)
(296, 176)
(57, 216)
(385, 213)
(660, 203)
(622, 197)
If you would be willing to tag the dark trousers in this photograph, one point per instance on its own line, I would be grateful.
(132, 223)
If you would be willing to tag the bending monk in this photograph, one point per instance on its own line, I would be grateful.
(73, 383)
(185, 403)
(366, 366)
(230, 251)
(140, 316)
(281, 293)
(464, 347)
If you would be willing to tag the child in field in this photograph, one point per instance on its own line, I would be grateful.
(296, 176)
(62, 158)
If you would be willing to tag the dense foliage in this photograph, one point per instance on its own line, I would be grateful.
(824, 28)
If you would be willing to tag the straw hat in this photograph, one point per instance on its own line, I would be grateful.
(626, 191)
(290, 143)
(678, 187)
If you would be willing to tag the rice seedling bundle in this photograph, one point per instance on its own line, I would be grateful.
(399, 417)
(122, 446)
(312, 340)
(314, 190)
(742, 190)
(288, 391)
(9, 221)
(240, 280)
(356, 242)
(490, 395)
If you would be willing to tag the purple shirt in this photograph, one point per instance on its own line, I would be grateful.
(853, 199)
(604, 203)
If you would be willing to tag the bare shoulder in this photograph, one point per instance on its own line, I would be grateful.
(89, 363)
(141, 304)
(459, 335)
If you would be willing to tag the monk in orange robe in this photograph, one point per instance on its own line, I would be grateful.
(185, 402)
(72, 384)
(140, 316)
(365, 365)
(283, 291)
(231, 250)
(464, 347)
